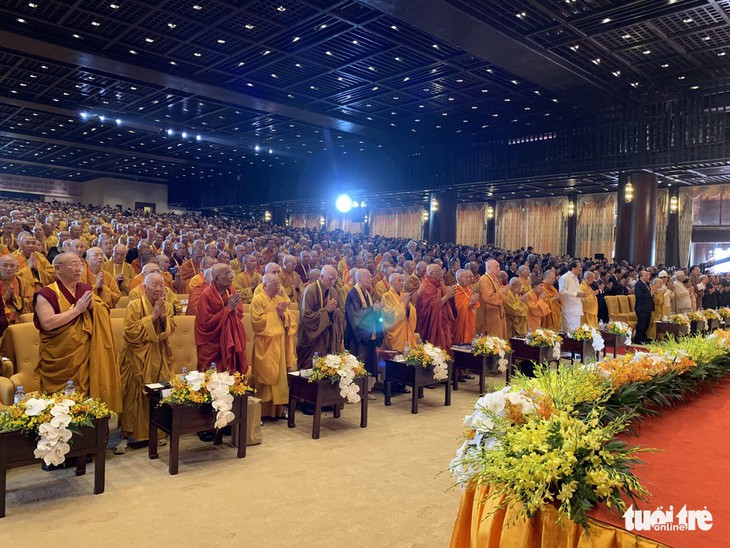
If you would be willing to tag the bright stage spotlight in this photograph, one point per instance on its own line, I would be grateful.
(343, 203)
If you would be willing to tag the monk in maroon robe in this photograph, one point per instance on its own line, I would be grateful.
(219, 333)
(435, 309)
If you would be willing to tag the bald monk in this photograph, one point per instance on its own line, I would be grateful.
(435, 308)
(414, 281)
(188, 269)
(552, 297)
(17, 293)
(270, 268)
(219, 333)
(143, 260)
(205, 263)
(491, 318)
(321, 319)
(516, 309)
(121, 270)
(347, 287)
(103, 283)
(32, 265)
(382, 286)
(290, 281)
(195, 294)
(164, 262)
(246, 282)
(76, 342)
(537, 308)
(275, 331)
(466, 304)
(399, 316)
(146, 356)
(523, 273)
(170, 296)
(590, 301)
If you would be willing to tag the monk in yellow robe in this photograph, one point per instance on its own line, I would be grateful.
(146, 357)
(275, 336)
(105, 287)
(17, 299)
(590, 301)
(383, 286)
(33, 265)
(491, 319)
(537, 308)
(399, 316)
(551, 296)
(188, 269)
(658, 296)
(523, 273)
(246, 282)
(76, 342)
(466, 304)
(290, 281)
(121, 270)
(346, 287)
(199, 279)
(516, 310)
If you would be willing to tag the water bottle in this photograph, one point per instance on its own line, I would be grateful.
(601, 325)
(213, 367)
(19, 395)
(315, 358)
(70, 389)
(184, 373)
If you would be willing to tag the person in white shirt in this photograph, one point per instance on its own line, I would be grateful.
(572, 296)
(682, 297)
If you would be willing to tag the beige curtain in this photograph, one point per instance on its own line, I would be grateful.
(344, 224)
(594, 232)
(685, 223)
(662, 213)
(471, 224)
(540, 223)
(302, 220)
(398, 223)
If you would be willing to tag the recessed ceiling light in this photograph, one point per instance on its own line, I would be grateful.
(95, 23)
(281, 9)
(646, 52)
(721, 54)
(197, 7)
(249, 26)
(132, 52)
(616, 73)
(266, 52)
(688, 20)
(173, 63)
(221, 41)
(32, 5)
(149, 40)
(626, 36)
(705, 38)
(114, 6)
(485, 91)
(606, 20)
(20, 20)
(322, 27)
(695, 87)
(507, 100)
(197, 54)
(665, 65)
(680, 77)
(393, 27)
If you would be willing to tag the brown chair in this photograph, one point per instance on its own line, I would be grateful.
(25, 339)
(118, 336)
(122, 302)
(182, 343)
(26, 318)
(614, 313)
(625, 308)
(7, 390)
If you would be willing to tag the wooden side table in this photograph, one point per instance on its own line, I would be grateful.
(614, 341)
(524, 352)
(666, 328)
(465, 360)
(176, 420)
(416, 377)
(321, 394)
(584, 348)
(16, 450)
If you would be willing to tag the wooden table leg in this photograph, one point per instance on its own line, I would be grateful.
(420, 392)
(456, 381)
(337, 410)
(417, 391)
(175, 441)
(317, 415)
(482, 374)
(364, 406)
(100, 461)
(3, 471)
(243, 428)
(447, 396)
(292, 411)
(152, 446)
(388, 389)
(80, 465)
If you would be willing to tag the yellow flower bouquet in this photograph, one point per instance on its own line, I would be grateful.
(619, 328)
(711, 314)
(193, 389)
(725, 312)
(543, 337)
(341, 368)
(679, 319)
(584, 333)
(490, 346)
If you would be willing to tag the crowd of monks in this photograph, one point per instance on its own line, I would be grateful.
(69, 265)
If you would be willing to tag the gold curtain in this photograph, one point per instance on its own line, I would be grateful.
(662, 212)
(398, 223)
(685, 224)
(344, 224)
(540, 223)
(471, 227)
(594, 231)
(302, 220)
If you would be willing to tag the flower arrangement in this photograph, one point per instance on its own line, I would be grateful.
(620, 328)
(218, 389)
(54, 418)
(711, 314)
(543, 337)
(643, 366)
(725, 312)
(425, 355)
(575, 462)
(343, 368)
(679, 319)
(587, 333)
(492, 346)
(722, 336)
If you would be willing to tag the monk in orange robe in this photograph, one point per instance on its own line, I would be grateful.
(537, 308)
(189, 269)
(491, 318)
(435, 309)
(466, 304)
(551, 296)
(219, 333)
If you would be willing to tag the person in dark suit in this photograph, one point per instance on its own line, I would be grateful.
(644, 306)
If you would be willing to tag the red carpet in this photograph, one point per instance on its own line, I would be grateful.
(692, 468)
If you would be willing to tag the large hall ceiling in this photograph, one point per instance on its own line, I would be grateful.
(271, 83)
